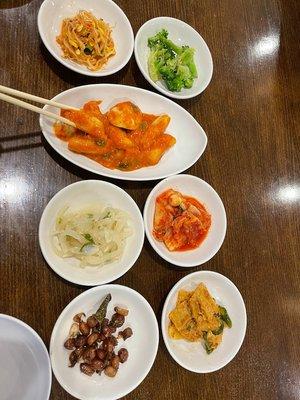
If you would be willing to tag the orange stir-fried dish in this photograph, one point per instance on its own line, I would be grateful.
(124, 138)
(197, 316)
(180, 221)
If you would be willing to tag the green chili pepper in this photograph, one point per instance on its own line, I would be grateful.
(106, 155)
(101, 312)
(225, 317)
(123, 165)
(108, 215)
(89, 238)
(207, 345)
(219, 330)
(88, 50)
(101, 142)
(143, 126)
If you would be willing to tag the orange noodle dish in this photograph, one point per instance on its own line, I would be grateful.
(124, 138)
(86, 40)
(180, 221)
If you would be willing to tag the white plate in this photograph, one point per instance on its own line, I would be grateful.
(192, 186)
(24, 362)
(78, 195)
(181, 34)
(191, 138)
(52, 13)
(193, 356)
(142, 346)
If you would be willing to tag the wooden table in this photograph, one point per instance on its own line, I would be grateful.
(250, 115)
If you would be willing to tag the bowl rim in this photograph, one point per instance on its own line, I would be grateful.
(125, 176)
(40, 340)
(80, 69)
(152, 240)
(86, 293)
(164, 316)
(146, 74)
(43, 246)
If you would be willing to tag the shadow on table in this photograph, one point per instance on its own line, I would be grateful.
(7, 147)
(74, 78)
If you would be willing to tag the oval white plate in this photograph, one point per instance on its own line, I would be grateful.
(24, 362)
(191, 138)
(78, 195)
(192, 186)
(193, 356)
(142, 346)
(181, 34)
(52, 13)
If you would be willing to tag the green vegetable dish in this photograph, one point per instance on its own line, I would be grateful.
(171, 63)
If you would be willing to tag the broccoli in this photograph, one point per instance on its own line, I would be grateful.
(173, 64)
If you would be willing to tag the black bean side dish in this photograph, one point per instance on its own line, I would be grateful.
(93, 342)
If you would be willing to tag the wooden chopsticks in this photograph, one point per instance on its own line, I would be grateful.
(30, 107)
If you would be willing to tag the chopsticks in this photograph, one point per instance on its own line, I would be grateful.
(30, 107)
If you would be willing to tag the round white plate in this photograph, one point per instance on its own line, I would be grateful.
(191, 138)
(195, 187)
(181, 34)
(79, 195)
(52, 13)
(24, 362)
(192, 355)
(142, 346)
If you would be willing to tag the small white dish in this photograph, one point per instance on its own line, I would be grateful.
(52, 13)
(78, 195)
(192, 355)
(195, 187)
(24, 362)
(181, 34)
(142, 346)
(190, 143)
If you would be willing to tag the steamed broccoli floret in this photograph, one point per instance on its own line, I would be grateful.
(172, 63)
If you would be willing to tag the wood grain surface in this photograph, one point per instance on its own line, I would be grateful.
(250, 112)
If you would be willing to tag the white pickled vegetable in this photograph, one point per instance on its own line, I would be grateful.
(95, 235)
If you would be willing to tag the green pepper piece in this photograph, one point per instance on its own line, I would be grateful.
(219, 330)
(123, 165)
(101, 142)
(101, 312)
(207, 345)
(225, 317)
(108, 215)
(88, 50)
(89, 238)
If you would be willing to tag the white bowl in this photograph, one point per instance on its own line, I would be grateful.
(202, 191)
(192, 356)
(24, 362)
(181, 34)
(142, 346)
(52, 13)
(78, 195)
(191, 138)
